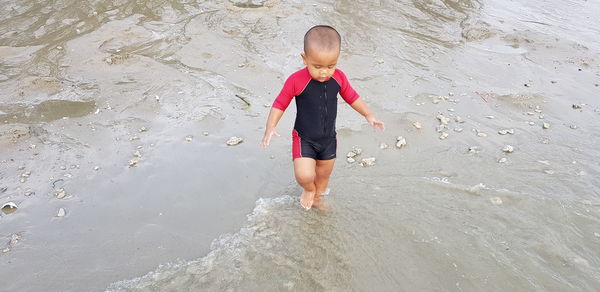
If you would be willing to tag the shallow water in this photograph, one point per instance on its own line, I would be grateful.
(87, 83)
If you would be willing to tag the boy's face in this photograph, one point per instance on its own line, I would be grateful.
(321, 64)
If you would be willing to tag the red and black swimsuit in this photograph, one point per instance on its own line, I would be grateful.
(314, 133)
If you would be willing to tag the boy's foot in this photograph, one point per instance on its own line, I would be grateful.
(319, 203)
(306, 199)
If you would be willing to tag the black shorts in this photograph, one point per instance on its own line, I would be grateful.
(323, 149)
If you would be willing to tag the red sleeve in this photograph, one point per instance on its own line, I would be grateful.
(285, 95)
(293, 86)
(346, 91)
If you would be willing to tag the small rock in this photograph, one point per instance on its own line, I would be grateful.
(549, 171)
(481, 134)
(205, 133)
(576, 106)
(489, 117)
(502, 160)
(440, 128)
(458, 130)
(417, 125)
(527, 85)
(142, 129)
(496, 201)
(137, 154)
(189, 138)
(596, 234)
(573, 127)
(400, 142)
(61, 194)
(450, 93)
(458, 119)
(508, 149)
(444, 120)
(234, 141)
(350, 160)
(9, 208)
(541, 117)
(61, 212)
(443, 136)
(6, 249)
(133, 163)
(530, 113)
(267, 105)
(357, 150)
(451, 110)
(351, 154)
(474, 149)
(531, 123)
(546, 126)
(366, 162)
(134, 138)
(96, 168)
(383, 145)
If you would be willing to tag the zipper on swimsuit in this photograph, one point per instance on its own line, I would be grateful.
(325, 103)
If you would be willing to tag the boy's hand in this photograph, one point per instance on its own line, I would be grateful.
(375, 122)
(267, 137)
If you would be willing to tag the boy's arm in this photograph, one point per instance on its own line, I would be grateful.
(274, 117)
(361, 107)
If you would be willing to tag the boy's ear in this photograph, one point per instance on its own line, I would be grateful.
(303, 58)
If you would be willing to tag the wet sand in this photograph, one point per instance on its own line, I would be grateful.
(86, 91)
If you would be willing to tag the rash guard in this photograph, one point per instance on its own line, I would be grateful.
(316, 102)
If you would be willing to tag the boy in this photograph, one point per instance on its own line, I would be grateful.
(316, 87)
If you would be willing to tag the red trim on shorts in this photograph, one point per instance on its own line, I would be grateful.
(296, 145)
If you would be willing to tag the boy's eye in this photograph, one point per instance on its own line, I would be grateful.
(331, 66)
(318, 67)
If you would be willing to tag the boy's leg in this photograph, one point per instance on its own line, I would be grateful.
(304, 170)
(323, 169)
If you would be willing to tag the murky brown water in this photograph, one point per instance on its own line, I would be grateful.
(85, 84)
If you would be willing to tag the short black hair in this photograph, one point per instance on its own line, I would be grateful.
(323, 37)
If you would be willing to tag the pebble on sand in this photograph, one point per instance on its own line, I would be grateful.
(205, 133)
(350, 160)
(474, 149)
(458, 130)
(546, 126)
(366, 162)
(458, 119)
(443, 136)
(234, 141)
(383, 145)
(502, 160)
(61, 194)
(9, 208)
(137, 154)
(508, 149)
(134, 138)
(496, 201)
(189, 138)
(417, 125)
(133, 163)
(400, 142)
(61, 212)
(443, 120)
(506, 131)
(481, 134)
(142, 129)
(576, 106)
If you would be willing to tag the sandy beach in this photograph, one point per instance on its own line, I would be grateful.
(115, 173)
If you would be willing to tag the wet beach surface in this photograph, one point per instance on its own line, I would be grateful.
(114, 118)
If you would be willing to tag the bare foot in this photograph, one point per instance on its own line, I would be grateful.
(306, 199)
(319, 203)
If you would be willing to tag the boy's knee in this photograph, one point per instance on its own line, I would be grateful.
(305, 177)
